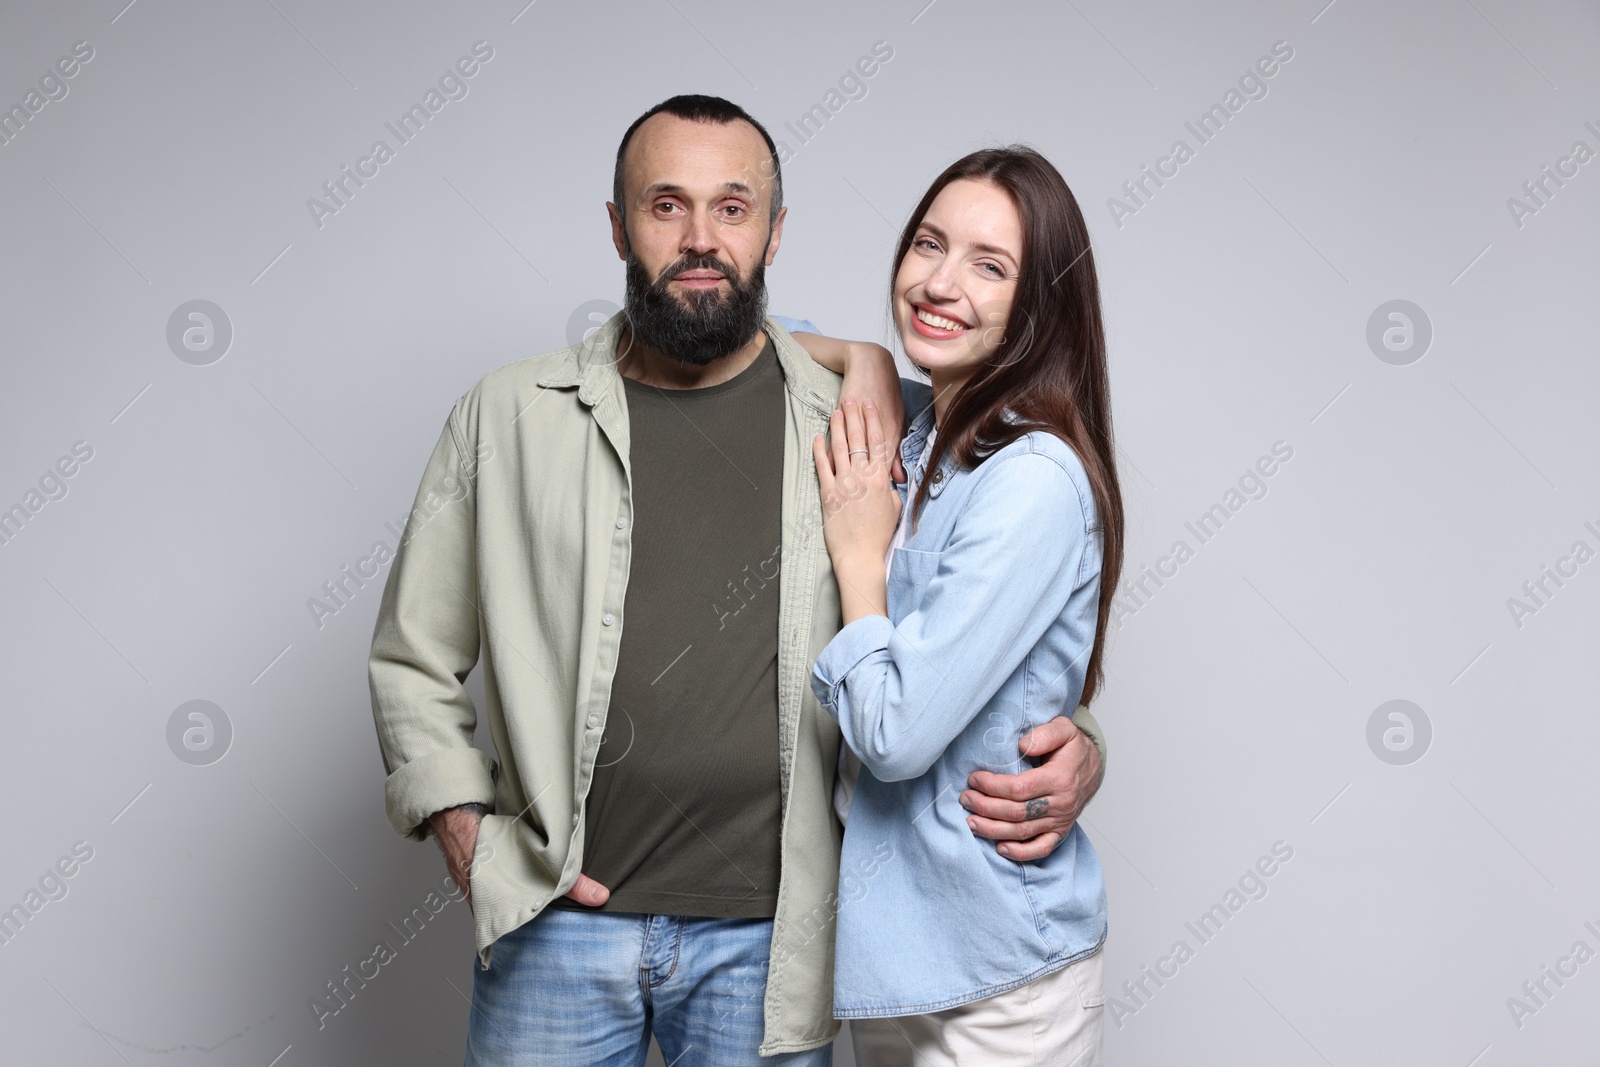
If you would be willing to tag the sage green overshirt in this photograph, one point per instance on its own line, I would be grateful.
(516, 557)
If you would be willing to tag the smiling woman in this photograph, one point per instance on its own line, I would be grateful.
(975, 599)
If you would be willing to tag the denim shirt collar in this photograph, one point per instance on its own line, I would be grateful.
(911, 448)
(916, 439)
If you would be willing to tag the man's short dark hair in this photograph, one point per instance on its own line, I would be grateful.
(700, 109)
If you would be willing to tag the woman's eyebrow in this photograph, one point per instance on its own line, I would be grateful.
(994, 250)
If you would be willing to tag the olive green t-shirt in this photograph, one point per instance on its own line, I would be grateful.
(683, 814)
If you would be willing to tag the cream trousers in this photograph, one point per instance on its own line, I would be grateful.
(1053, 1021)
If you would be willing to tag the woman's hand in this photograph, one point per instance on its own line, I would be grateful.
(859, 505)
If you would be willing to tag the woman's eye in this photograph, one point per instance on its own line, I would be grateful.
(995, 270)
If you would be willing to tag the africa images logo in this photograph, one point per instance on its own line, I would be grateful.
(452, 85)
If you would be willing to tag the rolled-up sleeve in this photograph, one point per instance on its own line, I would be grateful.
(902, 693)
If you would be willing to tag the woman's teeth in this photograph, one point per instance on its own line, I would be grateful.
(939, 321)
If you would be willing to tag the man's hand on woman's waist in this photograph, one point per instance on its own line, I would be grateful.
(1029, 814)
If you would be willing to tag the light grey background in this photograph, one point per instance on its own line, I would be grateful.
(1419, 498)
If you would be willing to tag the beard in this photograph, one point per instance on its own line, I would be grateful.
(704, 325)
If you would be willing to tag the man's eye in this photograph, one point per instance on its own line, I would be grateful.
(733, 210)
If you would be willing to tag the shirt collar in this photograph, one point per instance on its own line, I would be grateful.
(916, 439)
(916, 436)
(591, 366)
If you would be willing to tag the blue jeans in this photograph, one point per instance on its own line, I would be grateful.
(587, 989)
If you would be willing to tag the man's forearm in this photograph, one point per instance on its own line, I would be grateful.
(456, 829)
(453, 815)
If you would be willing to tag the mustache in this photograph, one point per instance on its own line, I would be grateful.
(698, 261)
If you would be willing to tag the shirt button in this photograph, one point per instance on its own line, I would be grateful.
(938, 476)
(574, 820)
(622, 524)
(594, 720)
(608, 618)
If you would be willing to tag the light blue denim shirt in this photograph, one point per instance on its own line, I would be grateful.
(993, 603)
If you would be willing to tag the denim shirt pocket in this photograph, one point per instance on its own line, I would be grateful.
(910, 571)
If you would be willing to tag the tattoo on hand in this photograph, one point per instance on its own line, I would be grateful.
(1037, 808)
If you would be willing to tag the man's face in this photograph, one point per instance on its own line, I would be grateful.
(696, 235)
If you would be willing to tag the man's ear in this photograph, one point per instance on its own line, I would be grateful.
(618, 238)
(775, 237)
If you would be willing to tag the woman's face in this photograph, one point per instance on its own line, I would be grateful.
(956, 283)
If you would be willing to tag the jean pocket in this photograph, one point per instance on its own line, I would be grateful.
(1088, 975)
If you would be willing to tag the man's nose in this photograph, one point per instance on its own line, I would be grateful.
(701, 236)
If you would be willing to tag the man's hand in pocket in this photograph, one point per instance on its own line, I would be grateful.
(457, 831)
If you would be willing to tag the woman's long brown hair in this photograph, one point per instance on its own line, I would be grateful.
(1050, 370)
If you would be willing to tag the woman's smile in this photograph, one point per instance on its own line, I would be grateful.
(935, 326)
